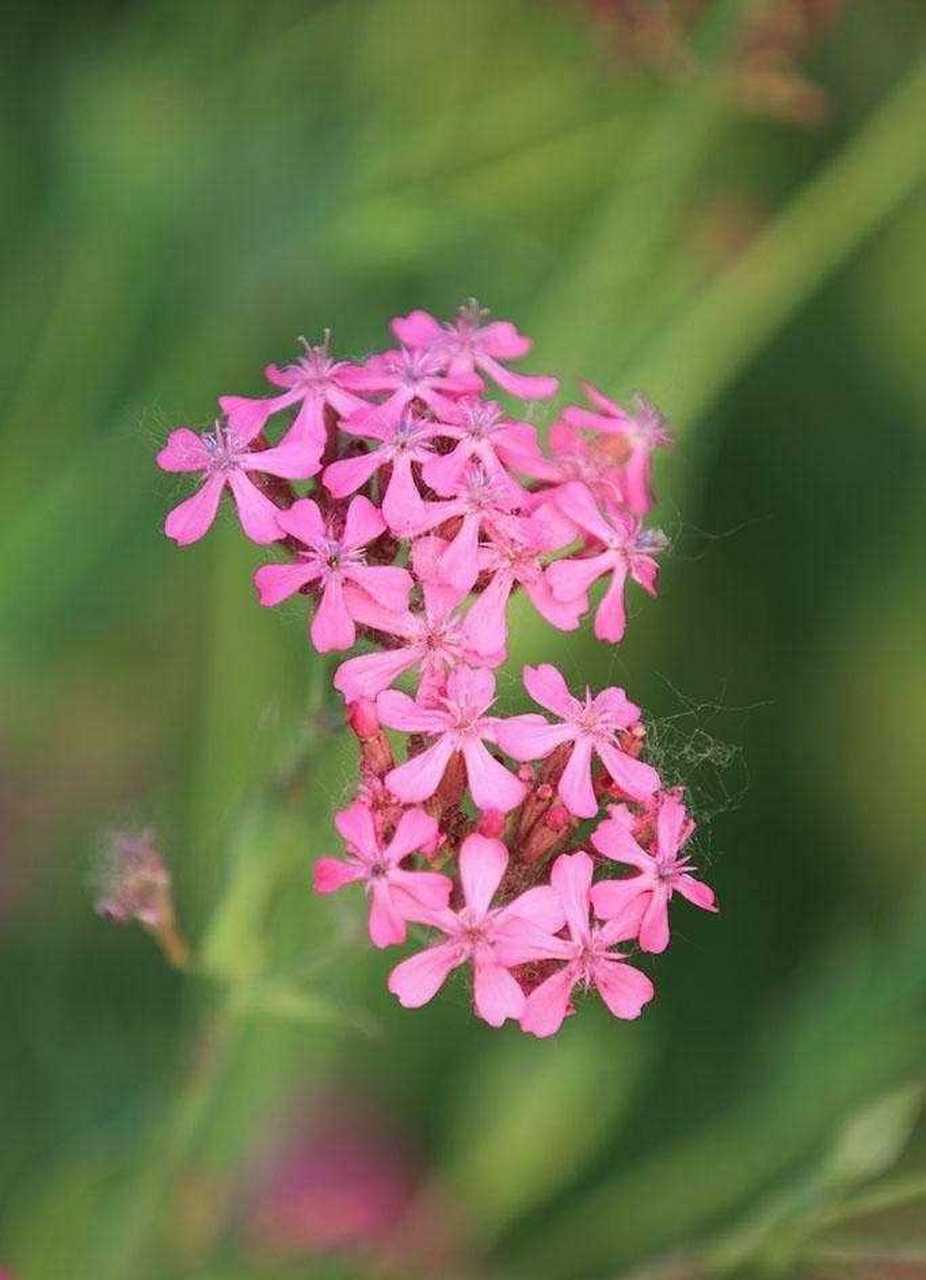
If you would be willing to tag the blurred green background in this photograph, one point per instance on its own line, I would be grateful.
(737, 230)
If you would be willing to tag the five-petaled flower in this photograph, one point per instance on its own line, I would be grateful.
(644, 897)
(223, 457)
(477, 933)
(459, 723)
(630, 438)
(332, 560)
(396, 895)
(468, 343)
(591, 726)
(590, 960)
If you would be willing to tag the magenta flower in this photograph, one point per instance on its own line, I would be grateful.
(469, 344)
(313, 381)
(402, 442)
(588, 955)
(458, 723)
(513, 557)
(223, 457)
(332, 560)
(486, 435)
(575, 456)
(475, 932)
(591, 726)
(407, 375)
(393, 892)
(636, 435)
(481, 498)
(434, 640)
(626, 550)
(644, 898)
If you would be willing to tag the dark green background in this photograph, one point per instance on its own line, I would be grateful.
(187, 187)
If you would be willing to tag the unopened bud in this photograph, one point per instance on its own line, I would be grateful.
(491, 824)
(362, 718)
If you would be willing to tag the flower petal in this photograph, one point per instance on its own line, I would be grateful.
(490, 783)
(184, 451)
(193, 518)
(349, 474)
(548, 688)
(482, 865)
(331, 874)
(496, 994)
(548, 1004)
(362, 524)
(530, 737)
(332, 626)
(575, 786)
(356, 827)
(414, 829)
(571, 878)
(654, 927)
(634, 777)
(368, 674)
(276, 582)
(304, 521)
(420, 776)
(397, 710)
(624, 990)
(419, 978)
(386, 923)
(258, 515)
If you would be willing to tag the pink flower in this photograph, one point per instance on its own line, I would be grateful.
(588, 955)
(625, 550)
(486, 435)
(402, 441)
(636, 435)
(409, 375)
(591, 726)
(459, 723)
(393, 892)
(645, 897)
(313, 381)
(332, 560)
(512, 556)
(434, 640)
(469, 344)
(475, 932)
(223, 457)
(481, 498)
(575, 456)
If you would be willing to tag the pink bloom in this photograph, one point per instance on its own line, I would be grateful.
(434, 640)
(313, 381)
(486, 435)
(588, 955)
(469, 344)
(625, 550)
(475, 932)
(409, 375)
(645, 897)
(333, 560)
(636, 435)
(402, 442)
(513, 557)
(573, 455)
(223, 457)
(458, 723)
(393, 892)
(591, 726)
(481, 498)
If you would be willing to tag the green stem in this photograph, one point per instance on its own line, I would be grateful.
(886, 161)
(169, 1150)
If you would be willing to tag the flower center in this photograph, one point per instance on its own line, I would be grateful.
(223, 448)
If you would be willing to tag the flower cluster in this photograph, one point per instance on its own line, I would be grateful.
(430, 505)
